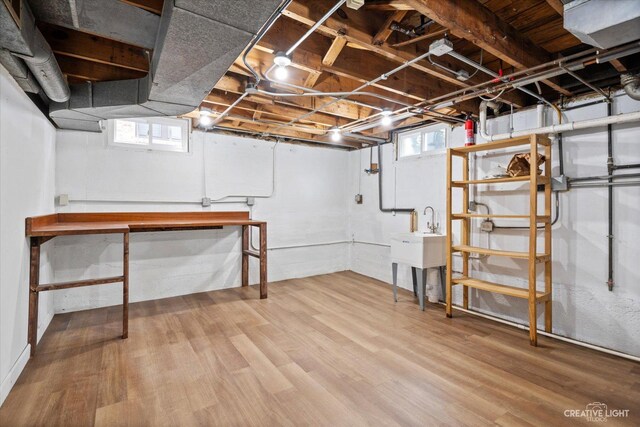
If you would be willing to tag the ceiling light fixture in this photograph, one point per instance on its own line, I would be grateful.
(386, 117)
(282, 61)
(281, 73)
(205, 117)
(335, 134)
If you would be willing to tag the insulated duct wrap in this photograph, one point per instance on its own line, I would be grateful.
(23, 46)
(197, 42)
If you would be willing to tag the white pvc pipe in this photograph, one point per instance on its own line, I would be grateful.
(564, 127)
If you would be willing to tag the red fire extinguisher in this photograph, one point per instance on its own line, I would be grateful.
(470, 134)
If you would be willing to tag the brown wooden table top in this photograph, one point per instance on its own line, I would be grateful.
(122, 222)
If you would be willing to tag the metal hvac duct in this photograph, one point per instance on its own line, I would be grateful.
(196, 42)
(23, 46)
(603, 23)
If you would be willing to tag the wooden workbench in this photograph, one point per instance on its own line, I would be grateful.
(40, 229)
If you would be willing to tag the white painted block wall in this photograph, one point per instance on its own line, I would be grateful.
(27, 163)
(309, 206)
(584, 309)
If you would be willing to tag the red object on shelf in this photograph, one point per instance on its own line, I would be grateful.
(470, 136)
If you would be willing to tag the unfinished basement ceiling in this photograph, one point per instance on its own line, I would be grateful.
(347, 50)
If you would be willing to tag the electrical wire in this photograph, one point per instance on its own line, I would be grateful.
(480, 62)
(492, 99)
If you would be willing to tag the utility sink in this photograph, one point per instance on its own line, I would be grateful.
(420, 249)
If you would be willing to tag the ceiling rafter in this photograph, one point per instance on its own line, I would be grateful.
(77, 44)
(472, 21)
(153, 6)
(385, 31)
(308, 12)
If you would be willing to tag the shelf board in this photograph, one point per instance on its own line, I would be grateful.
(541, 180)
(497, 145)
(511, 291)
(540, 219)
(509, 254)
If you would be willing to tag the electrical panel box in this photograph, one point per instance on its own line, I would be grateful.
(63, 200)
(440, 47)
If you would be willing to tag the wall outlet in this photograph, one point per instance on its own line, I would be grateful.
(63, 200)
(251, 201)
(206, 202)
(358, 199)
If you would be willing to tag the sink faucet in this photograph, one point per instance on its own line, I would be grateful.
(432, 226)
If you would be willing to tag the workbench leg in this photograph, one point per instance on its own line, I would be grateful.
(245, 257)
(263, 261)
(34, 281)
(125, 286)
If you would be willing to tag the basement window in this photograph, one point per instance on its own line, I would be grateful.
(432, 139)
(152, 133)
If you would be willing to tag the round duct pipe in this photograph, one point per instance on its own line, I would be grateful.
(631, 85)
(46, 70)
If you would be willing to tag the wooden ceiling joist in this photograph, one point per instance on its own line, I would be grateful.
(474, 22)
(308, 12)
(95, 71)
(385, 32)
(77, 44)
(153, 6)
(386, 5)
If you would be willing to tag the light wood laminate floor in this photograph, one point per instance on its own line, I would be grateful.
(325, 350)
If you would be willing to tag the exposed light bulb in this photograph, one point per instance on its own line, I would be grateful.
(335, 134)
(281, 72)
(205, 120)
(386, 117)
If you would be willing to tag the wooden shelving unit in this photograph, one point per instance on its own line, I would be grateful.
(533, 257)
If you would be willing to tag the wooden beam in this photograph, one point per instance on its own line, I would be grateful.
(332, 54)
(153, 6)
(236, 84)
(308, 12)
(260, 109)
(472, 21)
(328, 59)
(95, 71)
(386, 31)
(385, 5)
(312, 78)
(376, 65)
(557, 6)
(89, 47)
(421, 38)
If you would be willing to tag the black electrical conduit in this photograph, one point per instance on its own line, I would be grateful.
(380, 169)
(610, 165)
